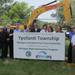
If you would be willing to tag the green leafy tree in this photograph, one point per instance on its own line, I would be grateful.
(19, 10)
(4, 4)
(5, 1)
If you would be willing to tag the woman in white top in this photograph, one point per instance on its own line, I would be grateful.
(44, 28)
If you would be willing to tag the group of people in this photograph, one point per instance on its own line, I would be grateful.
(35, 28)
(6, 42)
(6, 38)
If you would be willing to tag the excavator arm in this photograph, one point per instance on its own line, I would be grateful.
(36, 12)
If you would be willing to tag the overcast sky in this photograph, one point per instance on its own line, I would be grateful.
(45, 16)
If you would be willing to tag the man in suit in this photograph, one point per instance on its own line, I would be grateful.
(2, 42)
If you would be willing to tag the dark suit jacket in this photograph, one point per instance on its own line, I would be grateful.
(34, 30)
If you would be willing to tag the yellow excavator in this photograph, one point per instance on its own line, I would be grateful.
(50, 6)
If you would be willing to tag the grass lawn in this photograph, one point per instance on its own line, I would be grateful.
(34, 67)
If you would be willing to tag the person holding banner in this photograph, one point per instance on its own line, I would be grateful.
(11, 41)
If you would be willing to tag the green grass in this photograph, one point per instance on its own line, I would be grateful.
(36, 67)
(33, 67)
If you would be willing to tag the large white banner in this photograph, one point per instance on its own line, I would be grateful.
(43, 46)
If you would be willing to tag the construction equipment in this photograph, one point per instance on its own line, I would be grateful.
(50, 6)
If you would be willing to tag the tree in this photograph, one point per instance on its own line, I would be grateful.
(4, 5)
(20, 10)
(5, 1)
(16, 12)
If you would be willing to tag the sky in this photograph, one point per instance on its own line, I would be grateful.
(45, 16)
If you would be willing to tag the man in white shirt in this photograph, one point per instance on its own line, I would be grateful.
(73, 40)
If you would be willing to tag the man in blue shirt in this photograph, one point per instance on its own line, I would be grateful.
(17, 29)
